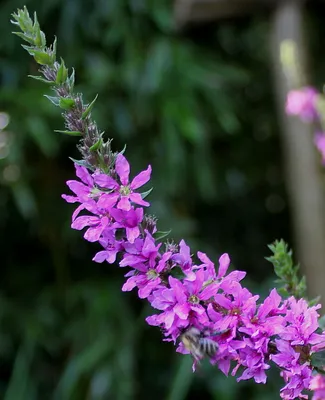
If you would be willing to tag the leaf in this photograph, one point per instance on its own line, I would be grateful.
(81, 363)
(70, 133)
(71, 80)
(160, 234)
(43, 58)
(19, 387)
(25, 37)
(62, 74)
(82, 163)
(96, 145)
(89, 108)
(145, 194)
(318, 359)
(180, 386)
(40, 78)
(53, 100)
(66, 103)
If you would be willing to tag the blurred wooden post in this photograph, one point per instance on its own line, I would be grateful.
(302, 168)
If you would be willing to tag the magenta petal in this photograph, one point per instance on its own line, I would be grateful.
(100, 256)
(110, 256)
(197, 284)
(146, 291)
(153, 320)
(141, 178)
(69, 199)
(124, 203)
(169, 319)
(77, 211)
(223, 301)
(107, 201)
(190, 276)
(182, 310)
(83, 221)
(83, 174)
(79, 189)
(122, 167)
(178, 288)
(130, 284)
(137, 199)
(93, 234)
(132, 234)
(224, 262)
(105, 181)
(209, 291)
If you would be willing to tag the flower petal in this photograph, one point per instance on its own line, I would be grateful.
(122, 168)
(141, 179)
(105, 181)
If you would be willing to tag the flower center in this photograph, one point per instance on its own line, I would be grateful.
(152, 274)
(194, 299)
(125, 190)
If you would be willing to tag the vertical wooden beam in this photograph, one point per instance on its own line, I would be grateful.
(302, 166)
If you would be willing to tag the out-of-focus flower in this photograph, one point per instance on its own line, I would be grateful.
(317, 385)
(302, 103)
(319, 140)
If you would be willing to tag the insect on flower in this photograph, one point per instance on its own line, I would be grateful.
(198, 344)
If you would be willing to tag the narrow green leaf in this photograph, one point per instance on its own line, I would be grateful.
(66, 103)
(145, 194)
(53, 50)
(30, 49)
(96, 145)
(71, 133)
(89, 108)
(25, 37)
(19, 387)
(160, 234)
(40, 78)
(181, 383)
(71, 80)
(53, 100)
(82, 163)
(62, 73)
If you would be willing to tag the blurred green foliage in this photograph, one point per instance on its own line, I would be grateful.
(197, 105)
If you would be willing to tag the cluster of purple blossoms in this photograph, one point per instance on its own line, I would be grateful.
(188, 293)
(304, 104)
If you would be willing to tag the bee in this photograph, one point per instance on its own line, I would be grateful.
(198, 344)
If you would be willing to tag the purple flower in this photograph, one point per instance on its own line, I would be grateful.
(84, 190)
(148, 267)
(253, 361)
(184, 260)
(146, 277)
(124, 189)
(228, 310)
(129, 220)
(96, 225)
(181, 303)
(295, 373)
(111, 246)
(303, 103)
(297, 380)
(302, 322)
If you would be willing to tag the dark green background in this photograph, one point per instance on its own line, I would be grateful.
(198, 106)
